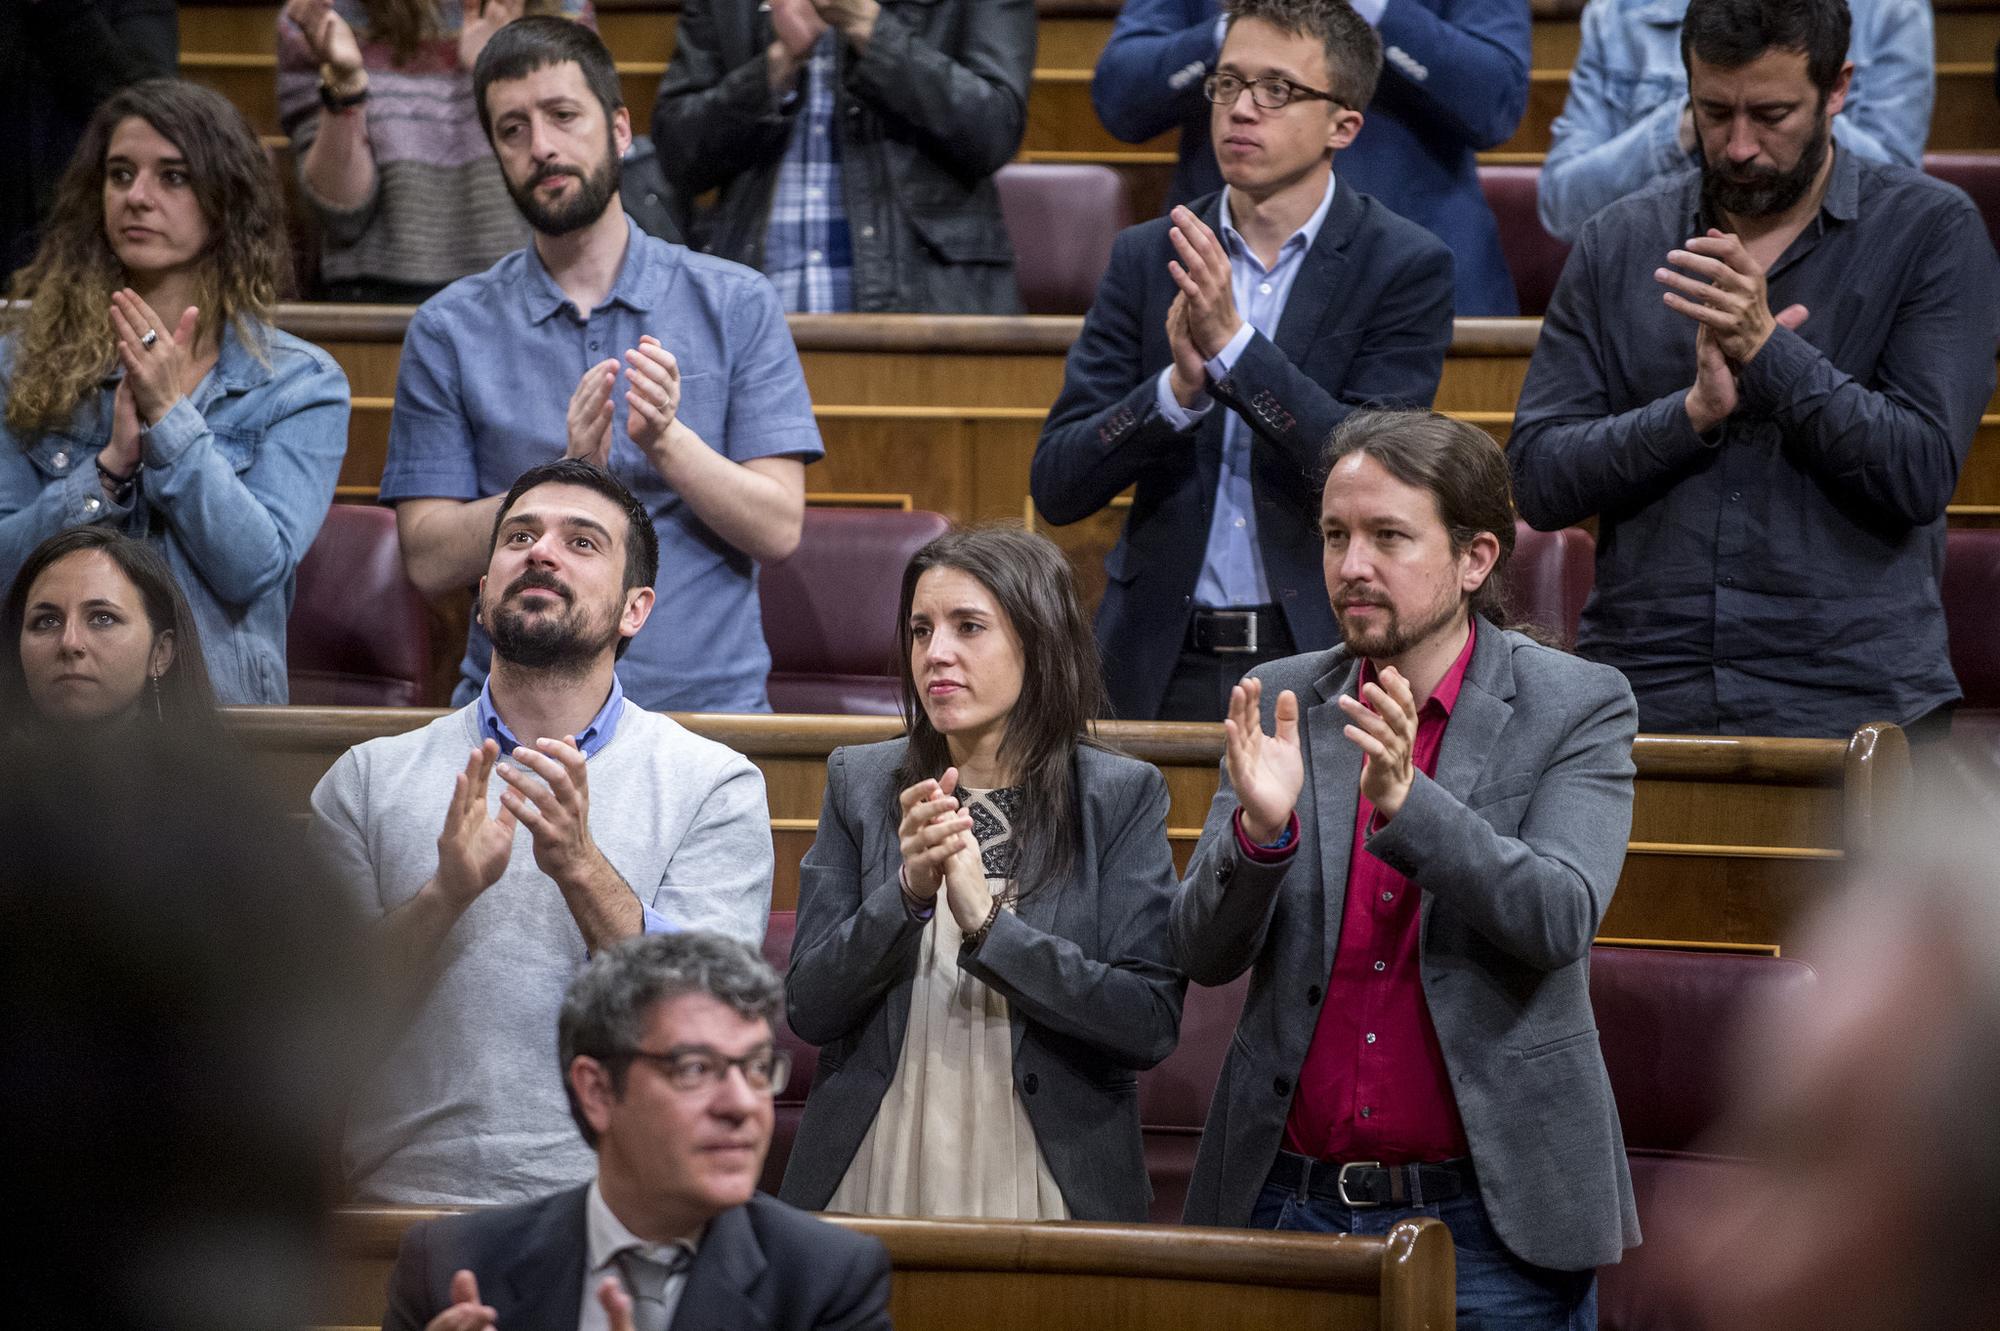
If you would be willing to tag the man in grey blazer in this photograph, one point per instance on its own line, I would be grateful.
(1428, 1051)
(670, 1069)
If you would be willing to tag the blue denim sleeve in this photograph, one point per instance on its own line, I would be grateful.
(247, 530)
(1596, 155)
(431, 452)
(770, 411)
(1148, 78)
(1888, 111)
(1469, 68)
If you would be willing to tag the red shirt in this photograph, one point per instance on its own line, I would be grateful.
(1374, 1084)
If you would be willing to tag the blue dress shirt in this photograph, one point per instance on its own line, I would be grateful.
(1232, 572)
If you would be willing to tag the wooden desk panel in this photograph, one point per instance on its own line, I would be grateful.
(1731, 837)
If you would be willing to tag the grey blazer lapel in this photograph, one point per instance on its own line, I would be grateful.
(1334, 767)
(728, 1263)
(1478, 719)
(545, 1283)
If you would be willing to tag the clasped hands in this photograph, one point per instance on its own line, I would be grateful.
(548, 791)
(1203, 318)
(940, 852)
(1723, 291)
(799, 23)
(467, 1313)
(157, 375)
(1267, 771)
(652, 402)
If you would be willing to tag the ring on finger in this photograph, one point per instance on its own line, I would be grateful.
(152, 336)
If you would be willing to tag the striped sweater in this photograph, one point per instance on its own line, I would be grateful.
(439, 209)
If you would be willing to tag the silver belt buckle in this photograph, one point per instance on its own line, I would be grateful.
(1248, 618)
(1340, 1182)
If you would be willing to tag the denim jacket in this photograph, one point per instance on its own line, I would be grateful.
(238, 476)
(1620, 127)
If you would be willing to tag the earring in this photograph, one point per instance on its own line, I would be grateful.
(158, 714)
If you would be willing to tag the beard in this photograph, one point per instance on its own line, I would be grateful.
(1392, 638)
(563, 643)
(1764, 191)
(585, 205)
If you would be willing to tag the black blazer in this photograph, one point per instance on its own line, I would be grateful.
(1084, 965)
(762, 1265)
(1368, 322)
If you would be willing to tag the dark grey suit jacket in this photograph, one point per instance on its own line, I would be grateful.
(1516, 846)
(762, 1266)
(1084, 965)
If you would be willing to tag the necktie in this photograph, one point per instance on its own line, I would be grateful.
(646, 1281)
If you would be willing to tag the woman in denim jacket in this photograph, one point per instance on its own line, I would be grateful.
(145, 388)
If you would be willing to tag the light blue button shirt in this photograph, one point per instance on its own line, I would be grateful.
(1232, 569)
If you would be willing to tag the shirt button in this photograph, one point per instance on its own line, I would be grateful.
(868, 233)
(1381, 965)
(1729, 582)
(90, 505)
(819, 130)
(1388, 896)
(1367, 1112)
(1281, 1086)
(60, 460)
(1264, 288)
(1239, 522)
(1313, 995)
(1371, 1037)
(815, 256)
(1735, 495)
(1031, 1083)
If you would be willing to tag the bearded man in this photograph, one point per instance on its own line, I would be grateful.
(611, 821)
(1762, 376)
(1414, 839)
(690, 385)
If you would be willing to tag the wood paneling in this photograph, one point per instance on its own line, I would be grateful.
(1731, 838)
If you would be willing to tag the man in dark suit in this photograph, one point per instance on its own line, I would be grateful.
(1414, 859)
(666, 1041)
(1312, 300)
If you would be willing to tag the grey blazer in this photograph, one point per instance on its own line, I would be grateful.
(1516, 846)
(1084, 964)
(761, 1265)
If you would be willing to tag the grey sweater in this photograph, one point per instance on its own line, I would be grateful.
(466, 1106)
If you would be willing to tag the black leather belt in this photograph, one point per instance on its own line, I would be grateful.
(1245, 631)
(1366, 1183)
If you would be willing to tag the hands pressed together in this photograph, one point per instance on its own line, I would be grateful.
(652, 402)
(940, 852)
(467, 1313)
(548, 791)
(1203, 317)
(1723, 290)
(1267, 771)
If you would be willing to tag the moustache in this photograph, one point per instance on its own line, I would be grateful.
(549, 170)
(1347, 599)
(535, 580)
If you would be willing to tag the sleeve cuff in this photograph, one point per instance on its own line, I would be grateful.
(1770, 381)
(652, 922)
(1371, 10)
(172, 434)
(1285, 847)
(1224, 361)
(1181, 418)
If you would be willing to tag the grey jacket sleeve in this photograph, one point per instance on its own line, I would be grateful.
(1222, 913)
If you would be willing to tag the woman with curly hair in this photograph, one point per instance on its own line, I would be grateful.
(145, 388)
(377, 98)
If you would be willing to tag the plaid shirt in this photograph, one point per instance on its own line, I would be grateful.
(807, 252)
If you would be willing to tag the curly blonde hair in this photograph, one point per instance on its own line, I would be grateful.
(65, 347)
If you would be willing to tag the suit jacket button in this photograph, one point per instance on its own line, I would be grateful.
(1031, 1083)
(1225, 871)
(1281, 1086)
(1313, 995)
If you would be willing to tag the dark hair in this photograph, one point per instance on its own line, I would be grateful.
(642, 543)
(536, 42)
(605, 1011)
(1353, 49)
(1732, 33)
(185, 694)
(1061, 687)
(65, 345)
(1459, 465)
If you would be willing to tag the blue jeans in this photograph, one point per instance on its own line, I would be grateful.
(1497, 1291)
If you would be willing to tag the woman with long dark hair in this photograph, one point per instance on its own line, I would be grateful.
(982, 930)
(144, 387)
(95, 636)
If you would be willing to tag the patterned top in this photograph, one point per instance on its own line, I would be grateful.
(807, 251)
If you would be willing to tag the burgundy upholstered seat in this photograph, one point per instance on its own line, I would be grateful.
(359, 633)
(790, 1102)
(1978, 174)
(830, 610)
(1534, 257)
(1062, 219)
(1550, 578)
(1972, 619)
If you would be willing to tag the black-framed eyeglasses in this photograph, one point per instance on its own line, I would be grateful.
(699, 1068)
(1271, 94)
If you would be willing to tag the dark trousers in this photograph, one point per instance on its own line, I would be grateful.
(1198, 690)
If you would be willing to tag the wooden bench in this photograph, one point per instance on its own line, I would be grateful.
(1731, 838)
(964, 1275)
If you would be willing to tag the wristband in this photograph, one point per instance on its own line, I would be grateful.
(121, 486)
(978, 936)
(334, 101)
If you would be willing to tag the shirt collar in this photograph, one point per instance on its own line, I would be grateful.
(1301, 239)
(1445, 695)
(594, 737)
(605, 1237)
(635, 288)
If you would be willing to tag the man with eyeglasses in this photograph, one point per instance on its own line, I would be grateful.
(1227, 341)
(670, 1065)
(501, 845)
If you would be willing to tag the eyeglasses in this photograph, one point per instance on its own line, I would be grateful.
(1271, 94)
(698, 1068)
